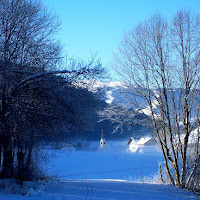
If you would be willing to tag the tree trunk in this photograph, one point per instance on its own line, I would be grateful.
(7, 167)
(20, 165)
(27, 169)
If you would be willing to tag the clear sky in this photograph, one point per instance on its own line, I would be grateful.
(97, 26)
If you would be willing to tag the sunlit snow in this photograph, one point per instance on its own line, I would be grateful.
(97, 175)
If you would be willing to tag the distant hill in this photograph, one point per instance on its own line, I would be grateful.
(112, 93)
(117, 93)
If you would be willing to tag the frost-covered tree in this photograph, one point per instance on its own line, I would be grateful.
(123, 117)
(160, 62)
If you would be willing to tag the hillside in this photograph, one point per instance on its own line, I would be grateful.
(118, 94)
(112, 93)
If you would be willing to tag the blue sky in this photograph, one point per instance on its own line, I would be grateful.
(97, 26)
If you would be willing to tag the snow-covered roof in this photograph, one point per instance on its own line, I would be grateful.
(142, 141)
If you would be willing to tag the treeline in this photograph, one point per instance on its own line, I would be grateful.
(38, 101)
(47, 108)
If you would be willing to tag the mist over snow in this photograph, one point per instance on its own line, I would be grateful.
(114, 174)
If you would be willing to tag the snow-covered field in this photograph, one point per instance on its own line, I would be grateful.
(102, 190)
(113, 174)
(115, 163)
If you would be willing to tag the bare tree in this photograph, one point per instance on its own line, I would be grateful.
(34, 103)
(123, 117)
(34, 94)
(159, 61)
(27, 29)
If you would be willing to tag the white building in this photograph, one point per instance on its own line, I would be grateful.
(148, 141)
(103, 145)
(133, 147)
(138, 146)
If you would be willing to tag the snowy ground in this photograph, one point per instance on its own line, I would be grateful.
(111, 175)
(115, 163)
(102, 190)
